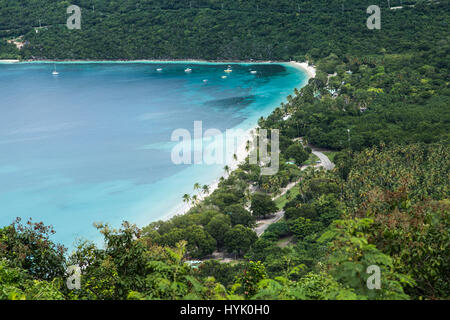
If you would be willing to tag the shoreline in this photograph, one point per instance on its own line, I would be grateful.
(302, 65)
(310, 70)
(306, 67)
(196, 61)
(8, 61)
(241, 152)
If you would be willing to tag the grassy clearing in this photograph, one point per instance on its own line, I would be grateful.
(281, 201)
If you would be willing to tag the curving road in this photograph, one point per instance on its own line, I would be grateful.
(325, 162)
(262, 225)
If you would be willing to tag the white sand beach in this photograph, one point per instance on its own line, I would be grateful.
(9, 61)
(241, 151)
(241, 154)
(305, 66)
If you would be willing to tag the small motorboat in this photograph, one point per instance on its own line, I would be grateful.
(253, 72)
(188, 70)
(205, 81)
(224, 77)
(159, 69)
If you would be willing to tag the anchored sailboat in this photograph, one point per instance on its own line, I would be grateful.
(55, 73)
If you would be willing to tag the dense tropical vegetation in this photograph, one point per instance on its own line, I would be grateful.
(218, 29)
(380, 100)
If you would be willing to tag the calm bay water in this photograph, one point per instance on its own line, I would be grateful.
(93, 143)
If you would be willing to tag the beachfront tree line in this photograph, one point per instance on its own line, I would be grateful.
(223, 221)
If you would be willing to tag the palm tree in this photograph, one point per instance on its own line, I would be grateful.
(186, 198)
(247, 146)
(274, 183)
(197, 187)
(235, 158)
(194, 199)
(289, 99)
(205, 189)
(227, 169)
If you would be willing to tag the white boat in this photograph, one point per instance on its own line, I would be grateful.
(253, 72)
(187, 70)
(55, 73)
(159, 69)
(229, 70)
(224, 77)
(205, 81)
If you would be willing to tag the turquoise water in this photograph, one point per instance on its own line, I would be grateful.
(93, 144)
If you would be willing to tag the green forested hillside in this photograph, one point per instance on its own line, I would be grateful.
(212, 29)
(401, 98)
(386, 203)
